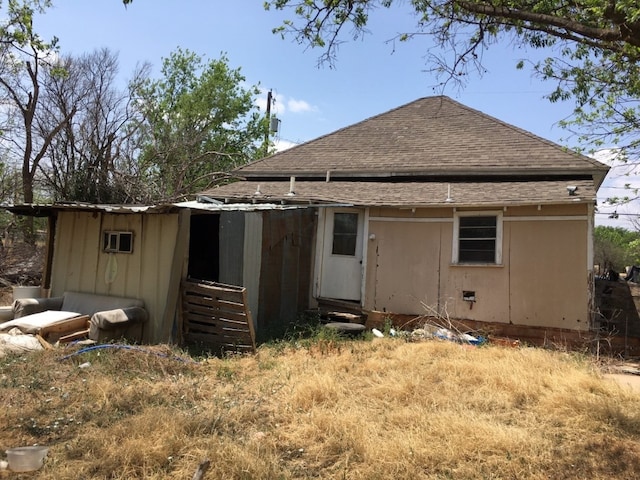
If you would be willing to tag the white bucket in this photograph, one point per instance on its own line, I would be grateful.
(26, 459)
(26, 292)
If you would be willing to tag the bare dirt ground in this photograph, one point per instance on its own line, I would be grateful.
(625, 380)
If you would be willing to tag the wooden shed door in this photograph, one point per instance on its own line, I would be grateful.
(341, 276)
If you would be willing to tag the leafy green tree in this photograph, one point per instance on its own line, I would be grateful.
(592, 48)
(199, 122)
(615, 248)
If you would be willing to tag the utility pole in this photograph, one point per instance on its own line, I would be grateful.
(266, 135)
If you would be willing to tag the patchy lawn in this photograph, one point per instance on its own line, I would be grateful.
(330, 409)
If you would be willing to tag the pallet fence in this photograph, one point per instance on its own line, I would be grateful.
(216, 316)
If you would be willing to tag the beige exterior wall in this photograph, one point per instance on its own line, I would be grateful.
(543, 279)
(79, 264)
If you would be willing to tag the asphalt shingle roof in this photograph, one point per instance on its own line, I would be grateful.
(432, 136)
(413, 194)
(414, 156)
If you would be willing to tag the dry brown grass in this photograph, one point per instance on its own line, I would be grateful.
(382, 409)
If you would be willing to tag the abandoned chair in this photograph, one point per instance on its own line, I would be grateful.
(101, 318)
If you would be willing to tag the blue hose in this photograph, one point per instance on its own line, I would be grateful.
(123, 347)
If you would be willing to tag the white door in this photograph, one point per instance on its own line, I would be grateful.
(341, 274)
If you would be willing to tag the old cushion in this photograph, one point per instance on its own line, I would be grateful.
(28, 306)
(90, 303)
(121, 322)
(110, 319)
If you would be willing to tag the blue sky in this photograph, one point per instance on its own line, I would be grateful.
(370, 76)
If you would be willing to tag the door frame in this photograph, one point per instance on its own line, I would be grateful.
(321, 237)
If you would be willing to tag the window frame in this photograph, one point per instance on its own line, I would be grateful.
(455, 258)
(352, 237)
(108, 235)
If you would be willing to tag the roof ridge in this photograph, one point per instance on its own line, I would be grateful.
(529, 134)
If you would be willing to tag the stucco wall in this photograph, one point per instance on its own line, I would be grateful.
(79, 264)
(541, 281)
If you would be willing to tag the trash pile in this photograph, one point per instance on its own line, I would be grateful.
(15, 342)
(432, 331)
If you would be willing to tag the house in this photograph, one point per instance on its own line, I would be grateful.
(435, 208)
(432, 208)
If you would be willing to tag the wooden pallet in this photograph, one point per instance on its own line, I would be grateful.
(217, 317)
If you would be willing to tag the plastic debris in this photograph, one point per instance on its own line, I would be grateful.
(377, 333)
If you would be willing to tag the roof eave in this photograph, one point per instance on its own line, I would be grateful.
(596, 173)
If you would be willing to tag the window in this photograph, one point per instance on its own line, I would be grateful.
(345, 233)
(117, 242)
(477, 238)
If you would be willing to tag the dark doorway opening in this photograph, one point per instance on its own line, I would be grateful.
(204, 245)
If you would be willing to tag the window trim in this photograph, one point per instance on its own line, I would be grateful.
(456, 236)
(118, 234)
(354, 236)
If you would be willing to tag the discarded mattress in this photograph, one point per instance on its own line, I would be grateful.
(34, 322)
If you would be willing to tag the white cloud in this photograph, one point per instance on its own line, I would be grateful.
(281, 104)
(299, 106)
(282, 145)
(261, 102)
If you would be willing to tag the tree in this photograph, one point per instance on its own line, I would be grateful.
(199, 122)
(615, 248)
(23, 57)
(88, 159)
(593, 49)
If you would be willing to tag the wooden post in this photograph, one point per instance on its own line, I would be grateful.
(202, 469)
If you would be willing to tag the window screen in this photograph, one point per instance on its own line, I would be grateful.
(477, 239)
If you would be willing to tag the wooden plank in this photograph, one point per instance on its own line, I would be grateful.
(208, 317)
(203, 321)
(249, 319)
(214, 342)
(74, 336)
(46, 345)
(219, 327)
(66, 326)
(217, 314)
(240, 314)
(220, 290)
(216, 285)
(173, 288)
(213, 302)
(214, 305)
(218, 330)
(220, 339)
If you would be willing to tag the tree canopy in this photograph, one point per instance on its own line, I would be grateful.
(615, 248)
(70, 133)
(592, 49)
(199, 122)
